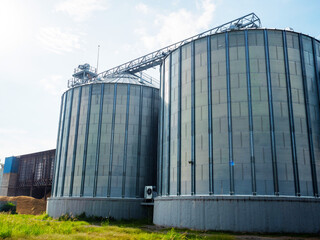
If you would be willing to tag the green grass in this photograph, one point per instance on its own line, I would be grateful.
(44, 227)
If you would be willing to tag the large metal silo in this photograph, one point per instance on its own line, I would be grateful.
(239, 134)
(106, 148)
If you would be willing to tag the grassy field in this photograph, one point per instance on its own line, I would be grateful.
(18, 226)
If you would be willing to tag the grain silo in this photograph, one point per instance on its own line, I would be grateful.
(239, 134)
(106, 147)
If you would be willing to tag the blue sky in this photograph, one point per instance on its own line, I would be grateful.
(43, 40)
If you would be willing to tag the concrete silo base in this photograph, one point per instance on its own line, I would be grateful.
(118, 208)
(239, 213)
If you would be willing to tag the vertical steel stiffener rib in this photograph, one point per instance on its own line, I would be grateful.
(161, 117)
(179, 127)
(139, 142)
(74, 153)
(230, 142)
(86, 142)
(56, 158)
(124, 167)
(252, 158)
(153, 143)
(210, 134)
(59, 154)
(316, 68)
(160, 144)
(271, 117)
(112, 140)
(308, 119)
(169, 124)
(291, 119)
(317, 79)
(67, 144)
(193, 129)
(96, 169)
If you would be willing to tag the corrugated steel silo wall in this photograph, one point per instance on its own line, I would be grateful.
(239, 114)
(107, 141)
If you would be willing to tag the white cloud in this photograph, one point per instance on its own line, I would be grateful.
(54, 84)
(81, 10)
(175, 2)
(23, 144)
(12, 131)
(178, 25)
(205, 18)
(9, 136)
(58, 41)
(142, 8)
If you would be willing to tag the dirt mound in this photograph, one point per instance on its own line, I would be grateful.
(27, 205)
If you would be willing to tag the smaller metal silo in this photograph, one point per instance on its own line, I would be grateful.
(106, 147)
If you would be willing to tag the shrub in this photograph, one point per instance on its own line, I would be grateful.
(84, 217)
(66, 217)
(8, 207)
